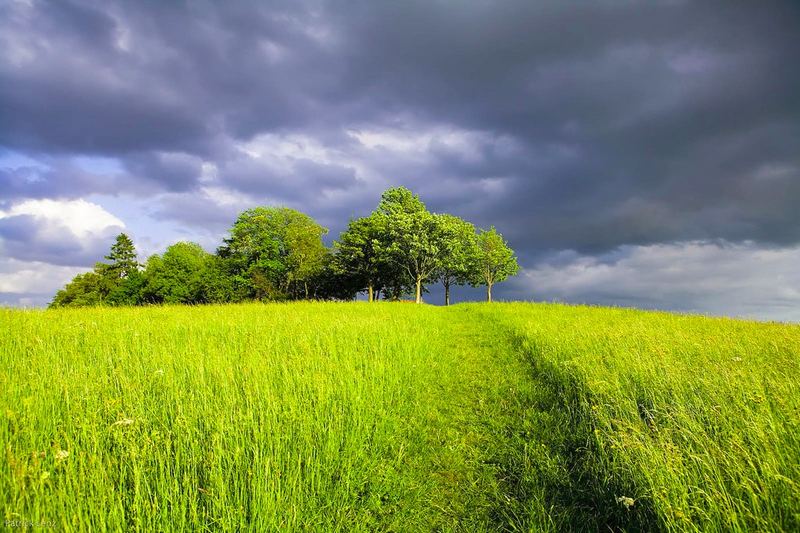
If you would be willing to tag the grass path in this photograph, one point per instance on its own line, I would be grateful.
(529, 440)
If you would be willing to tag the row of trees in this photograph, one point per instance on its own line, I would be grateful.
(277, 253)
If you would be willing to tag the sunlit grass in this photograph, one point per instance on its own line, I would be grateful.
(397, 417)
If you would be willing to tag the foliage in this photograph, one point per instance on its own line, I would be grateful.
(277, 253)
(494, 261)
(416, 242)
(83, 291)
(116, 283)
(360, 254)
(179, 276)
(122, 258)
(459, 252)
(275, 249)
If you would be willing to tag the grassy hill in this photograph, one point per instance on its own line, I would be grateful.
(397, 417)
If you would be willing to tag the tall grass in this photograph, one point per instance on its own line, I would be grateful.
(696, 420)
(266, 417)
(363, 417)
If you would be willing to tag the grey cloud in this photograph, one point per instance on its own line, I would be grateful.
(290, 181)
(28, 238)
(592, 126)
(173, 171)
(707, 277)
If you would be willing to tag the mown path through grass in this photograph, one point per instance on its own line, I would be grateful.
(527, 438)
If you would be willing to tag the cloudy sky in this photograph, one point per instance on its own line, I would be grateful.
(633, 153)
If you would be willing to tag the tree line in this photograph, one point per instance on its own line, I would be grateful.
(277, 253)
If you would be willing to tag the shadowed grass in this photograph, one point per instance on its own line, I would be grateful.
(696, 420)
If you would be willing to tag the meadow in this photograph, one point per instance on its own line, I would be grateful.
(396, 417)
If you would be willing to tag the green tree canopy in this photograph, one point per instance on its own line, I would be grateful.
(415, 238)
(494, 261)
(178, 276)
(118, 282)
(274, 253)
(273, 249)
(459, 250)
(122, 257)
(360, 254)
(82, 291)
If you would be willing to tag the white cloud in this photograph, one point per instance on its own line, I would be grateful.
(84, 219)
(34, 277)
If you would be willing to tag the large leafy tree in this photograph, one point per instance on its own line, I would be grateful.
(459, 249)
(415, 239)
(360, 254)
(221, 284)
(178, 276)
(307, 255)
(271, 250)
(494, 261)
(82, 291)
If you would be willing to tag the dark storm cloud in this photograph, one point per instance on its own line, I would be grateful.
(569, 126)
(174, 171)
(140, 174)
(55, 179)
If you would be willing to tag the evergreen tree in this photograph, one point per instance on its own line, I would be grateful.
(122, 257)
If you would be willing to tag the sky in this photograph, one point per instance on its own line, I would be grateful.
(640, 154)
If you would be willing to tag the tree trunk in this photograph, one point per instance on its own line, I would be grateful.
(489, 292)
(305, 285)
(419, 290)
(369, 292)
(446, 293)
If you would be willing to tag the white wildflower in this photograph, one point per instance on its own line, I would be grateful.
(626, 501)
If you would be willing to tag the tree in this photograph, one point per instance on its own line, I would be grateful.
(270, 249)
(306, 252)
(221, 284)
(414, 236)
(494, 261)
(82, 291)
(459, 250)
(116, 283)
(127, 291)
(360, 253)
(178, 276)
(122, 257)
(331, 283)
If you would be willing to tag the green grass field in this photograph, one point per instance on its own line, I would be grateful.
(364, 417)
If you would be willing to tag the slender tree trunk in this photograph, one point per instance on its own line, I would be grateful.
(419, 289)
(447, 292)
(489, 292)
(369, 292)
(305, 284)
